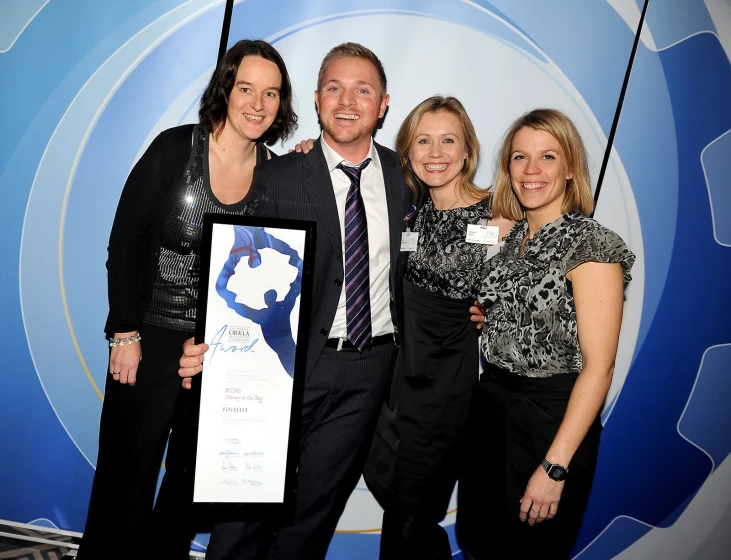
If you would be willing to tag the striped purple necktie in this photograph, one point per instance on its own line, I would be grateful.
(357, 276)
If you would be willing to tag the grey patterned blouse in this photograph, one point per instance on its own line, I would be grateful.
(444, 262)
(530, 326)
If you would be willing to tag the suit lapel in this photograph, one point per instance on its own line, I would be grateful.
(319, 187)
(395, 200)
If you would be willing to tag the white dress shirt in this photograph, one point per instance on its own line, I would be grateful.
(373, 192)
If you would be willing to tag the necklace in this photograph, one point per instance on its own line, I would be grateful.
(440, 224)
(460, 197)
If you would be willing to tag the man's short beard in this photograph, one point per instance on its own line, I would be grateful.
(353, 135)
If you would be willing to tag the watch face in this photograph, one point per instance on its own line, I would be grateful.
(557, 472)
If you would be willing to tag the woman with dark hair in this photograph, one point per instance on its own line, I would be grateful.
(553, 298)
(153, 271)
(412, 466)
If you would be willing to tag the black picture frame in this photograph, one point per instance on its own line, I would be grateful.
(214, 511)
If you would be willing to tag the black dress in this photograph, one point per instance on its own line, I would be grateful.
(412, 466)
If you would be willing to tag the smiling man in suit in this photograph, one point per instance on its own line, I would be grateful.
(354, 189)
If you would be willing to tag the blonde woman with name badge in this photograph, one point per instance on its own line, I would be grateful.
(416, 451)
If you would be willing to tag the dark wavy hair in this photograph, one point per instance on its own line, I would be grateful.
(214, 103)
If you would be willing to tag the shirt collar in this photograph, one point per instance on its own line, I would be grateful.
(334, 159)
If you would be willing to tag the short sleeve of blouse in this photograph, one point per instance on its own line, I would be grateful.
(599, 244)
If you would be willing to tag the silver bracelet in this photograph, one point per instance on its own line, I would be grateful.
(126, 340)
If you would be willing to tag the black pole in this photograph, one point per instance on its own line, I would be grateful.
(615, 123)
(228, 10)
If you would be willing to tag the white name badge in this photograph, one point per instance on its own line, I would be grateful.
(409, 240)
(486, 235)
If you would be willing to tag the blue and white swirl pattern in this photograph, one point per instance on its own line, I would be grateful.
(106, 80)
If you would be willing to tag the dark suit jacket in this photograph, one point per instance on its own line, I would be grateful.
(298, 186)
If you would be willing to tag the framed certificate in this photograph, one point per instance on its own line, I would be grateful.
(253, 312)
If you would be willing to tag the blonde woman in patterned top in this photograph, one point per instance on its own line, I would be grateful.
(416, 450)
(553, 297)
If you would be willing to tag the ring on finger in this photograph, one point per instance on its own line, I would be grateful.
(536, 511)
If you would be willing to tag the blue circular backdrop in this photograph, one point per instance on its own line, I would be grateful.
(666, 193)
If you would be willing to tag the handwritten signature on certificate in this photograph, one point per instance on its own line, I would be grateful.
(223, 481)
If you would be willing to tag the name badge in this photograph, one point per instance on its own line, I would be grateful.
(409, 240)
(485, 235)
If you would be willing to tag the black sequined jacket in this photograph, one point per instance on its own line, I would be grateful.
(134, 242)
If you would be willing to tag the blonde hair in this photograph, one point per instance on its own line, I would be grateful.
(578, 188)
(407, 133)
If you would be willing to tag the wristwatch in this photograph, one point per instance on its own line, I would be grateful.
(554, 471)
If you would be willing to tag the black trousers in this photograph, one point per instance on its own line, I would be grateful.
(413, 537)
(135, 424)
(342, 397)
(513, 421)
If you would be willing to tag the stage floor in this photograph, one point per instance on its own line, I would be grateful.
(28, 542)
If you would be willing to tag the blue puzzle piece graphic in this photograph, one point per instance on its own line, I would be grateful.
(707, 415)
(672, 21)
(619, 534)
(16, 17)
(717, 168)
